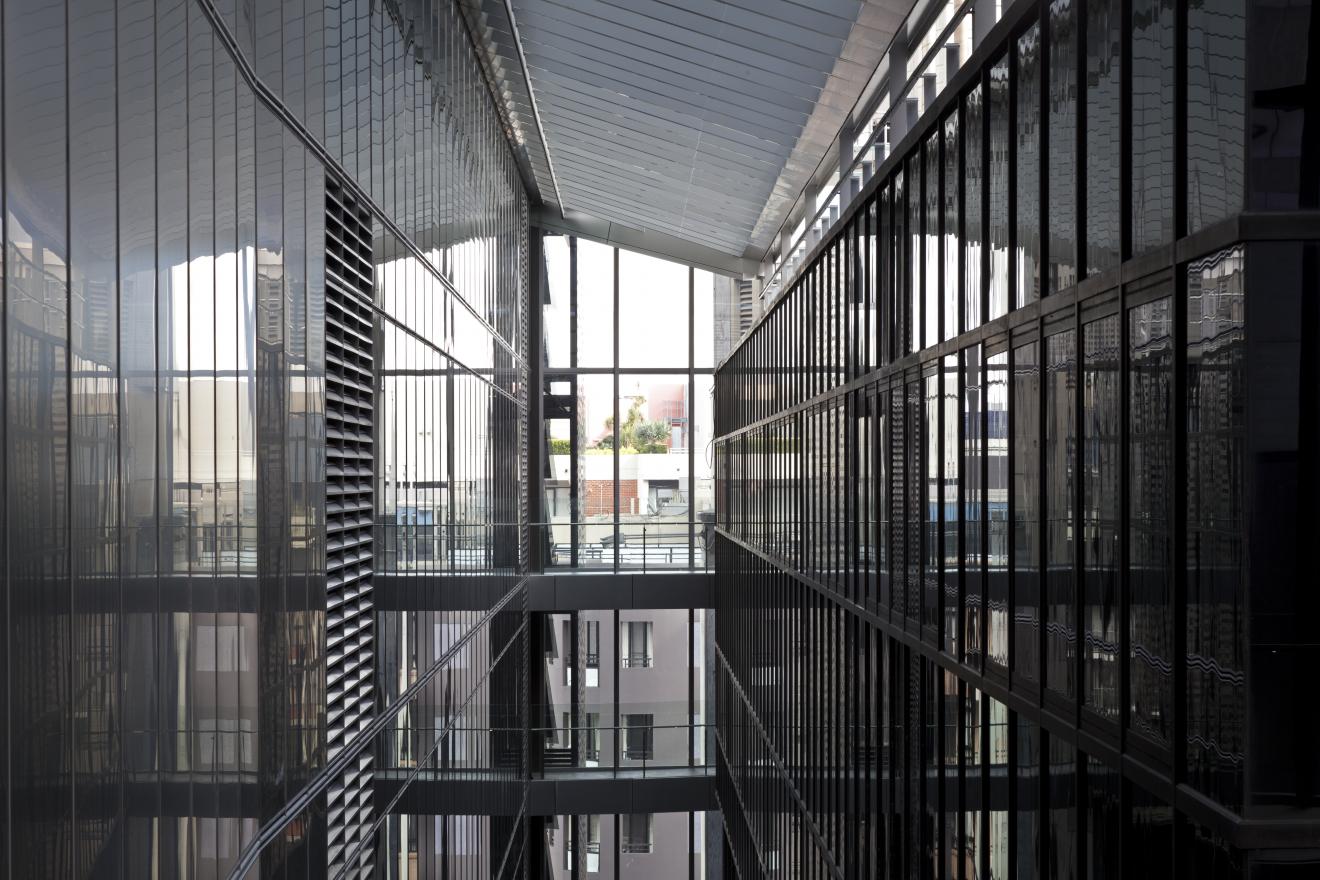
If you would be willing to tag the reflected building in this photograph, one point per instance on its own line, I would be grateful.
(263, 427)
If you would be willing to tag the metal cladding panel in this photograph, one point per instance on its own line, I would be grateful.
(700, 119)
(350, 700)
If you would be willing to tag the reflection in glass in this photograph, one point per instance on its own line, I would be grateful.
(1104, 820)
(999, 158)
(1060, 457)
(934, 211)
(952, 247)
(974, 198)
(1061, 843)
(899, 302)
(1027, 809)
(1150, 832)
(1062, 105)
(1152, 118)
(975, 757)
(1104, 22)
(969, 418)
(1150, 516)
(1216, 576)
(996, 507)
(1001, 739)
(1026, 457)
(1101, 432)
(1026, 252)
(1216, 109)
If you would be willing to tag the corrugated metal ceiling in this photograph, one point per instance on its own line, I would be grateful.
(697, 119)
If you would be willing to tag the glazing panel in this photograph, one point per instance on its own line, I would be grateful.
(952, 244)
(1061, 191)
(1062, 842)
(36, 391)
(595, 304)
(556, 314)
(653, 311)
(1283, 73)
(1027, 538)
(918, 438)
(1152, 117)
(1216, 575)
(1027, 801)
(1148, 837)
(998, 537)
(971, 415)
(899, 303)
(93, 413)
(1104, 820)
(974, 200)
(1104, 27)
(654, 437)
(1101, 436)
(1026, 242)
(932, 501)
(1216, 111)
(916, 265)
(974, 756)
(1150, 516)
(1060, 474)
(999, 110)
(1000, 737)
(934, 265)
(704, 287)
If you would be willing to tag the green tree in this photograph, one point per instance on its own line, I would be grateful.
(636, 434)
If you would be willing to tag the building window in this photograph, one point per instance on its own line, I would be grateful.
(639, 737)
(638, 832)
(593, 843)
(635, 644)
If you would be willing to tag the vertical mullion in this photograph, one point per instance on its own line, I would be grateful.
(614, 455)
(574, 436)
(692, 422)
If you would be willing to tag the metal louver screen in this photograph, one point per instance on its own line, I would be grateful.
(349, 482)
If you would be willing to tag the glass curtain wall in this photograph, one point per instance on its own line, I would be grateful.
(624, 690)
(629, 356)
(1094, 497)
(180, 460)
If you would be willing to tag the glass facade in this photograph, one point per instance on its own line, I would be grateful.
(263, 336)
(628, 463)
(1071, 597)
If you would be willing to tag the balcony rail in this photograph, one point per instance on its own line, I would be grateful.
(632, 544)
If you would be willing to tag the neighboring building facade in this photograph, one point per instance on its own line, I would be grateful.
(264, 472)
(1015, 480)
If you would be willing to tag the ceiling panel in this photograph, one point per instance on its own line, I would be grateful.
(698, 119)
